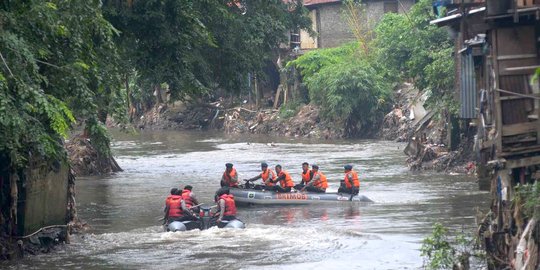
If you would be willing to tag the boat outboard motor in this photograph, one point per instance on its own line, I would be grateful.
(176, 226)
(205, 218)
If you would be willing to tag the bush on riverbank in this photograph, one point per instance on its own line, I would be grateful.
(352, 84)
(351, 93)
(440, 251)
(527, 200)
(409, 48)
(347, 87)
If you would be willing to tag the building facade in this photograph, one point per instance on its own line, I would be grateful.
(329, 20)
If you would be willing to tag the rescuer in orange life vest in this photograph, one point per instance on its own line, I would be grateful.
(284, 179)
(319, 183)
(190, 199)
(307, 175)
(175, 208)
(230, 177)
(267, 176)
(350, 184)
(226, 208)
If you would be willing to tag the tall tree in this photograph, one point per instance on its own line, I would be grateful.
(199, 46)
(247, 35)
(58, 64)
(159, 39)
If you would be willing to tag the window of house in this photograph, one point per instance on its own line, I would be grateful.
(390, 6)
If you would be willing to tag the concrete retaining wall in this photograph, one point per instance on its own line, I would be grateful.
(45, 198)
(332, 23)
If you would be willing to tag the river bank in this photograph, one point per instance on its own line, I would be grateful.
(424, 131)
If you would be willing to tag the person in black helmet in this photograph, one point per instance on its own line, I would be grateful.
(175, 208)
(350, 184)
(226, 207)
(319, 182)
(190, 199)
(230, 177)
(284, 179)
(267, 176)
(307, 175)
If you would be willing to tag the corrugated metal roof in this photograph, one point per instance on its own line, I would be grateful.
(468, 95)
(318, 2)
(453, 18)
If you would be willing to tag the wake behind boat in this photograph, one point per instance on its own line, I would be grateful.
(252, 196)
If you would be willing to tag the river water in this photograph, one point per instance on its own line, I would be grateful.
(123, 209)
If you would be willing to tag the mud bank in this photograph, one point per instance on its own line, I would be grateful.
(306, 123)
(243, 119)
(86, 160)
(409, 121)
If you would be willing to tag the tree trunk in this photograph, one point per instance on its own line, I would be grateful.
(157, 93)
(102, 116)
(276, 99)
(131, 108)
(257, 92)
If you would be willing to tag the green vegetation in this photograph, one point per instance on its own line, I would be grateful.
(218, 44)
(57, 65)
(289, 110)
(437, 250)
(527, 197)
(64, 62)
(442, 252)
(410, 48)
(536, 76)
(348, 89)
(351, 92)
(352, 84)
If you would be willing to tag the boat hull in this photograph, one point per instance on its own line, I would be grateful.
(180, 226)
(204, 223)
(251, 196)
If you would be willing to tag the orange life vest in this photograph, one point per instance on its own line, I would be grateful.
(186, 196)
(228, 178)
(287, 182)
(174, 202)
(306, 176)
(230, 206)
(268, 174)
(322, 182)
(355, 180)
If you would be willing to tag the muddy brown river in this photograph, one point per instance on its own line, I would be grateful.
(123, 209)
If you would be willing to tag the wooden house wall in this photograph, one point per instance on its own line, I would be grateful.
(514, 49)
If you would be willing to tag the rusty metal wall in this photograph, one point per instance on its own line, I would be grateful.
(468, 94)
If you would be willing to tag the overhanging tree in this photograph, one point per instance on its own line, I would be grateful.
(58, 65)
(201, 46)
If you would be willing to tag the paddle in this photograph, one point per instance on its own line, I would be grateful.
(247, 185)
(196, 205)
(352, 194)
